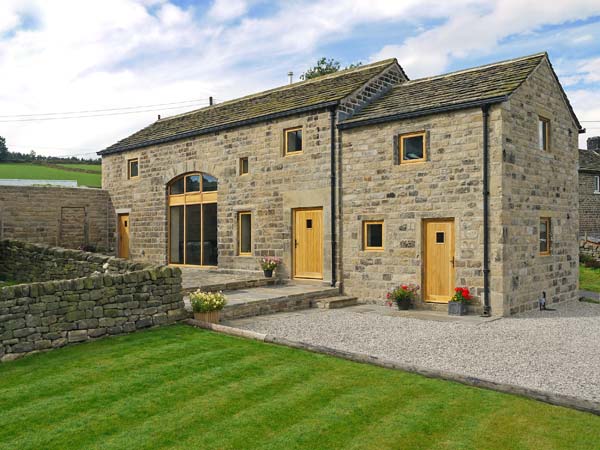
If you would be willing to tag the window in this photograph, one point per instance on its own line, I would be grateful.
(543, 133)
(293, 141)
(243, 166)
(373, 235)
(244, 234)
(132, 168)
(597, 184)
(545, 229)
(412, 148)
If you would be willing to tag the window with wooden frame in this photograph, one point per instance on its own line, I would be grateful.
(373, 235)
(244, 166)
(543, 133)
(545, 235)
(245, 233)
(412, 147)
(597, 184)
(292, 141)
(133, 168)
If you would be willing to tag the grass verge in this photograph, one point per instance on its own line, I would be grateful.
(180, 387)
(589, 279)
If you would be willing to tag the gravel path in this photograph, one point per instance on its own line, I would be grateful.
(555, 351)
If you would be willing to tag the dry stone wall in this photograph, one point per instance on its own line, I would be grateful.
(51, 314)
(65, 217)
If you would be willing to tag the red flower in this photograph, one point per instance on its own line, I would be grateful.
(405, 287)
(389, 295)
(457, 289)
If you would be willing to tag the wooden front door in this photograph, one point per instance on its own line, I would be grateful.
(438, 260)
(123, 236)
(308, 243)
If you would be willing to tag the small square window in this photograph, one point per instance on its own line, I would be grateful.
(373, 235)
(244, 234)
(439, 237)
(133, 168)
(309, 223)
(293, 140)
(543, 133)
(243, 166)
(412, 148)
(545, 235)
(597, 184)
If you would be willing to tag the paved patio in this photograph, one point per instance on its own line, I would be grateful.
(555, 351)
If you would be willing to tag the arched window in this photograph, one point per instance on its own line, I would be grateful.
(193, 220)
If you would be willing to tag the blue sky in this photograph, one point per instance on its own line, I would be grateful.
(70, 56)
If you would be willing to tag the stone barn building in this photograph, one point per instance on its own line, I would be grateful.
(365, 179)
(589, 189)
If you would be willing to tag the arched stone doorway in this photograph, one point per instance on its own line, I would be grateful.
(192, 217)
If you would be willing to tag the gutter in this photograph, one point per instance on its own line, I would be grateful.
(423, 112)
(239, 123)
(332, 203)
(486, 213)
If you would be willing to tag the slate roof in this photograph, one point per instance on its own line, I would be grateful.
(491, 83)
(306, 95)
(589, 161)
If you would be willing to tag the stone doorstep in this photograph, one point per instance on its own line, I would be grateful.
(235, 285)
(341, 301)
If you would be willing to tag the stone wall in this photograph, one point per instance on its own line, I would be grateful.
(447, 185)
(25, 262)
(538, 183)
(65, 217)
(590, 248)
(589, 205)
(50, 314)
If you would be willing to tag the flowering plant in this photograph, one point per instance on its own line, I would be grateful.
(406, 293)
(461, 295)
(207, 301)
(270, 263)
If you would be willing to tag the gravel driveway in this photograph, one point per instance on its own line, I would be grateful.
(555, 351)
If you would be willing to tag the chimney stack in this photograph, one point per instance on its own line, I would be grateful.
(593, 143)
(291, 75)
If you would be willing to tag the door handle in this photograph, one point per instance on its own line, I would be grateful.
(452, 261)
(295, 243)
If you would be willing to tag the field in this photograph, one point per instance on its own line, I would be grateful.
(180, 387)
(589, 279)
(38, 172)
(92, 167)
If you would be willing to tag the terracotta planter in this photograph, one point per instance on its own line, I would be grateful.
(210, 316)
(268, 273)
(457, 308)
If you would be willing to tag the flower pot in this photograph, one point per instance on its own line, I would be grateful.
(457, 308)
(209, 316)
(403, 304)
(268, 273)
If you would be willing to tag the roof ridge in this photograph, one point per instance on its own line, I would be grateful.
(383, 62)
(472, 69)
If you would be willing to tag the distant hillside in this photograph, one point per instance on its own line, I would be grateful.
(85, 174)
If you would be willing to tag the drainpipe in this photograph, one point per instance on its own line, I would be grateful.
(332, 202)
(486, 212)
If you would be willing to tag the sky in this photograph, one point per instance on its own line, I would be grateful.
(76, 76)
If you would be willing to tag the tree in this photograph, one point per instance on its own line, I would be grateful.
(3, 149)
(325, 66)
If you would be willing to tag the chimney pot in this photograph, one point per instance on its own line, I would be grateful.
(210, 101)
(593, 143)
(291, 75)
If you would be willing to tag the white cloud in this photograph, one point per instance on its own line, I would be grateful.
(117, 53)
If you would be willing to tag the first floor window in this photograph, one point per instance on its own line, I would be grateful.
(293, 140)
(597, 184)
(545, 229)
(373, 235)
(133, 168)
(543, 133)
(245, 233)
(412, 147)
(244, 166)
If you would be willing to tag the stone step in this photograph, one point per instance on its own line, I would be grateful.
(339, 301)
(233, 285)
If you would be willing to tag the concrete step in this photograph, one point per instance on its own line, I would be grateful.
(339, 301)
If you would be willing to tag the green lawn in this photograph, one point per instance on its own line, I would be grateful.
(39, 172)
(92, 167)
(186, 388)
(589, 279)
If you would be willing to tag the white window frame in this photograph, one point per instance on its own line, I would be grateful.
(597, 184)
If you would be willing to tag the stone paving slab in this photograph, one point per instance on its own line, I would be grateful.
(193, 278)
